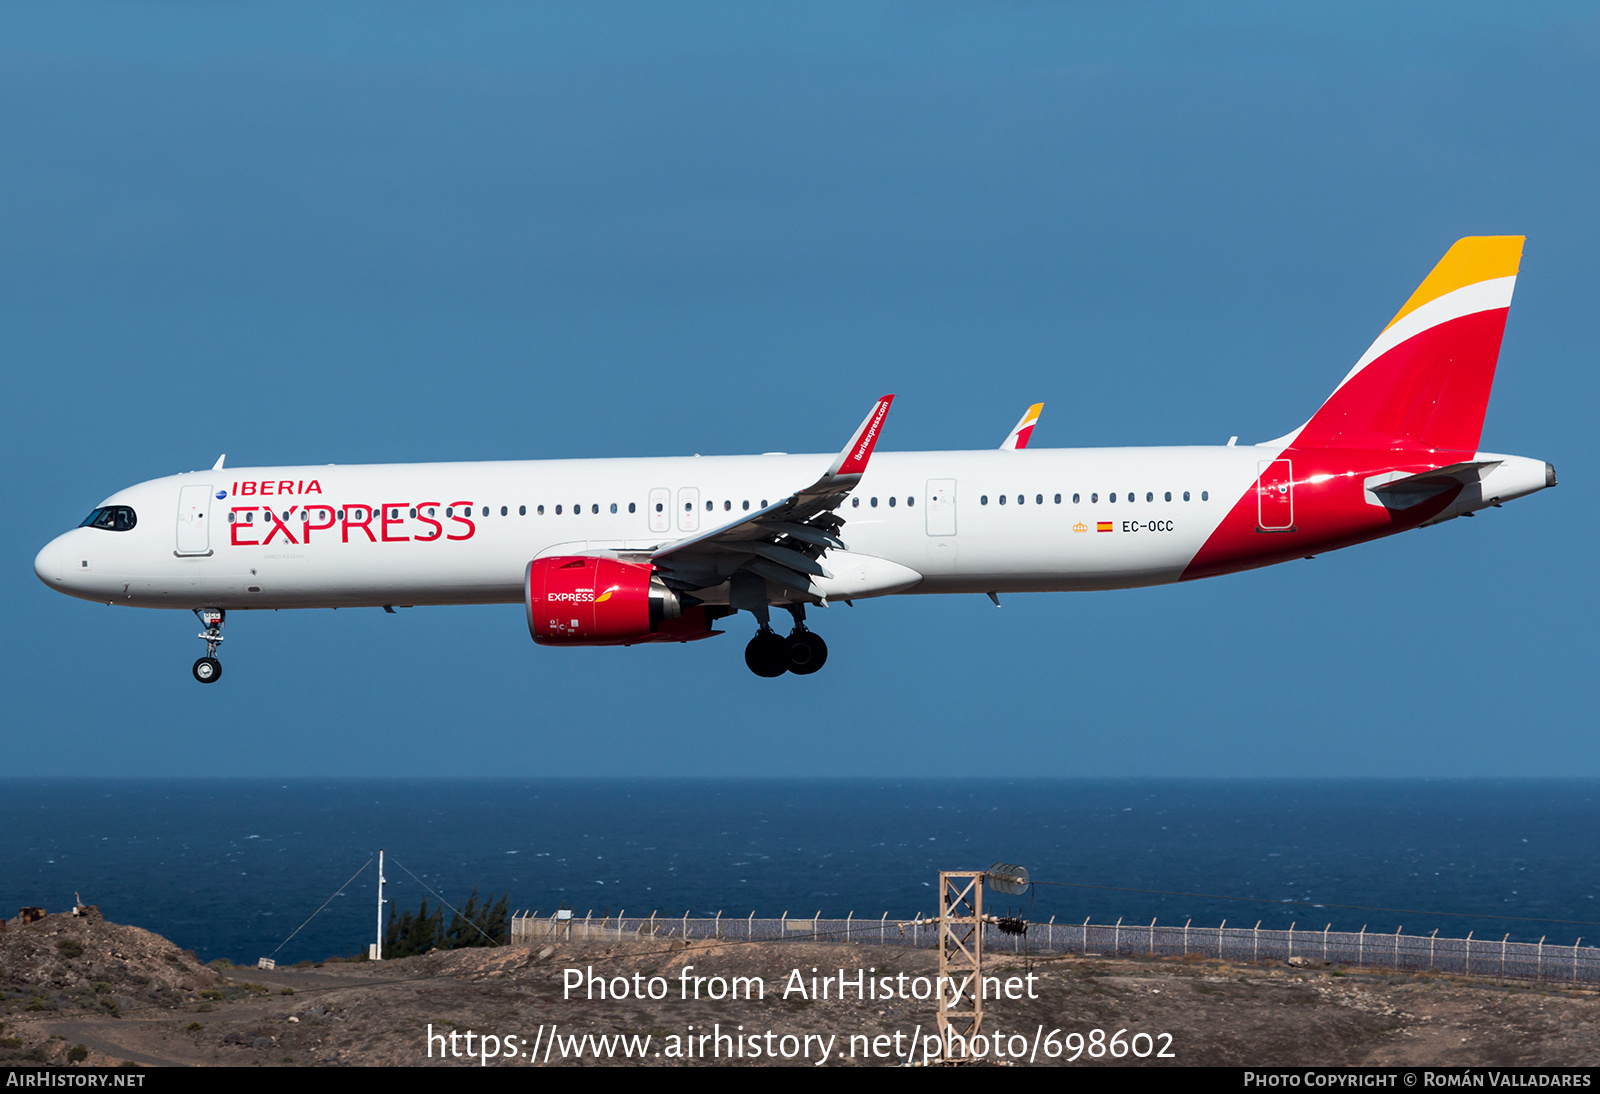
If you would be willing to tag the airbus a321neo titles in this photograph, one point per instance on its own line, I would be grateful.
(615, 552)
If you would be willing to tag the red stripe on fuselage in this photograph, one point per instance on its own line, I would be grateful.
(1330, 510)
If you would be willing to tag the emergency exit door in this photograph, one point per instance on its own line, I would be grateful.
(1275, 496)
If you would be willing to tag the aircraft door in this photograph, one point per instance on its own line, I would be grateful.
(1275, 496)
(661, 509)
(194, 512)
(941, 507)
(689, 509)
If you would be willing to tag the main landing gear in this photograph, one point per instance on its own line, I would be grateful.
(208, 670)
(770, 654)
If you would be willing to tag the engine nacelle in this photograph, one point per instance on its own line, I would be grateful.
(584, 600)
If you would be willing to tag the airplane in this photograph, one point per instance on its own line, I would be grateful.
(607, 552)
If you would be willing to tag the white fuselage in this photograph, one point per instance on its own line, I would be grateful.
(984, 521)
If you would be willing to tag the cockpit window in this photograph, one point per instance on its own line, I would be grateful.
(113, 518)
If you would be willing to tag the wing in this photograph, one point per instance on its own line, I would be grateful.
(1019, 436)
(784, 542)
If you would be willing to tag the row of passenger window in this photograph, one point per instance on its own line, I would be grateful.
(108, 515)
(1130, 497)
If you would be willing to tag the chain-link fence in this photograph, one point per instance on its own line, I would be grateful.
(1482, 957)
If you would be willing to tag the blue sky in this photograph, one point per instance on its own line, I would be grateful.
(356, 233)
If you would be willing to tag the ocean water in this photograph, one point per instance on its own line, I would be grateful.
(231, 868)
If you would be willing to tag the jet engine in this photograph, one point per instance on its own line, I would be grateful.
(586, 600)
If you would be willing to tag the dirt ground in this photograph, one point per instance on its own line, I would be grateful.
(81, 990)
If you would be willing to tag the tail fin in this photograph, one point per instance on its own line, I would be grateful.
(1017, 439)
(1425, 382)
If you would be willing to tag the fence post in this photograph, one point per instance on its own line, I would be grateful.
(1220, 929)
(1325, 931)
(750, 927)
(1467, 967)
(1575, 959)
(1152, 936)
(882, 923)
(1050, 933)
(1116, 938)
(1432, 940)
(1397, 946)
(1291, 943)
(1086, 948)
(1361, 946)
(1255, 953)
(847, 920)
(653, 921)
(716, 932)
(1503, 942)
(1186, 935)
(815, 920)
(1540, 975)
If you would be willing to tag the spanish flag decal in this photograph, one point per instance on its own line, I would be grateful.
(1103, 526)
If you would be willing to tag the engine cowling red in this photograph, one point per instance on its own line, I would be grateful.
(583, 600)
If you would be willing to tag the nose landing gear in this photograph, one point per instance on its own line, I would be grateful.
(208, 670)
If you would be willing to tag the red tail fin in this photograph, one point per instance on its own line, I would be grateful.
(1425, 382)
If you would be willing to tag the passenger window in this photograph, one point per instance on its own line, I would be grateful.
(522, 510)
(891, 501)
(874, 503)
(984, 500)
(630, 507)
(230, 518)
(745, 505)
(1205, 495)
(1002, 499)
(1149, 496)
(486, 511)
(658, 507)
(1113, 499)
(595, 509)
(855, 503)
(558, 510)
(763, 503)
(1186, 495)
(411, 513)
(727, 505)
(502, 510)
(1021, 498)
(613, 507)
(910, 500)
(709, 504)
(540, 511)
(1038, 499)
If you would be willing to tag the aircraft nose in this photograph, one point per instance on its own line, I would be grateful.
(47, 563)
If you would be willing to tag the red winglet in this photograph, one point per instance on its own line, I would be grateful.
(853, 460)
